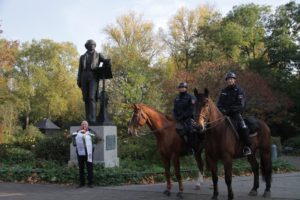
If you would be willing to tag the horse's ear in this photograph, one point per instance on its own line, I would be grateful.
(196, 92)
(206, 92)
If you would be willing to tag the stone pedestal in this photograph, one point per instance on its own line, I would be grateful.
(106, 150)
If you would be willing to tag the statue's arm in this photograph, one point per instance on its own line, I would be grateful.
(101, 58)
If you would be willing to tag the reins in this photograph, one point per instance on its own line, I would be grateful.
(214, 123)
(155, 130)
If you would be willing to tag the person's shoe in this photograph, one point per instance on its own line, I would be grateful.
(247, 151)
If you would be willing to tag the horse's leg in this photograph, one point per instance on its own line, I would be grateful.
(176, 162)
(212, 165)
(255, 167)
(199, 161)
(227, 161)
(266, 169)
(167, 166)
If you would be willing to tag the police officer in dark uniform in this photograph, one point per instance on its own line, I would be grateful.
(231, 103)
(183, 112)
(88, 78)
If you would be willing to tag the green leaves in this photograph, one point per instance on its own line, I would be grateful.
(44, 78)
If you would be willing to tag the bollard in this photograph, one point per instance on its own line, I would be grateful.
(274, 152)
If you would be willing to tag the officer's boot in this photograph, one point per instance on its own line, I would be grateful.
(188, 138)
(246, 139)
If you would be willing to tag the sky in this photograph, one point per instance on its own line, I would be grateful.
(77, 21)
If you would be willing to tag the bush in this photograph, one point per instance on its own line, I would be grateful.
(53, 148)
(3, 151)
(15, 154)
(28, 138)
(142, 149)
(293, 142)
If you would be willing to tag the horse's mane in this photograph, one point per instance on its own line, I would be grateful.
(170, 118)
(212, 103)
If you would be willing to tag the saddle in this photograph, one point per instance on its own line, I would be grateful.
(188, 130)
(251, 122)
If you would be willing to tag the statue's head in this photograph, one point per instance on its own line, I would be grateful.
(90, 45)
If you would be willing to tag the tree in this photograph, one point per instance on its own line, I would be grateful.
(284, 54)
(208, 47)
(249, 21)
(284, 38)
(8, 118)
(133, 48)
(44, 80)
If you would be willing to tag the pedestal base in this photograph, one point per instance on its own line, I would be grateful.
(105, 151)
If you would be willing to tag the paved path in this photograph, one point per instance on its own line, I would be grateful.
(284, 186)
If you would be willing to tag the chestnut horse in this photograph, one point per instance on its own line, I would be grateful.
(169, 144)
(222, 144)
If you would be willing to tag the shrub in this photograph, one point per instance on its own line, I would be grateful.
(15, 154)
(53, 148)
(28, 138)
(293, 142)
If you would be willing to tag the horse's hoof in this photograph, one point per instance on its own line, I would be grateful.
(167, 193)
(179, 195)
(197, 187)
(253, 193)
(267, 194)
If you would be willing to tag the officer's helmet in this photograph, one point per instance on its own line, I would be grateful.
(182, 85)
(230, 75)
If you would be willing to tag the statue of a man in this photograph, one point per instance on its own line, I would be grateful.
(88, 79)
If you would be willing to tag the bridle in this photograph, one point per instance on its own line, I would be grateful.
(138, 125)
(136, 118)
(210, 124)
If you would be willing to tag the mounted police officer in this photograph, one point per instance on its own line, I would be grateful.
(231, 103)
(183, 113)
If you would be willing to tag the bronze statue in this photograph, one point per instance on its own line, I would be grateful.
(88, 78)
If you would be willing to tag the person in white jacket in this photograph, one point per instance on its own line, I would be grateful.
(83, 140)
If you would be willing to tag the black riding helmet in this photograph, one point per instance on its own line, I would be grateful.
(230, 75)
(182, 85)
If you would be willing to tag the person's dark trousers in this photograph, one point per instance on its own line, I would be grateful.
(242, 129)
(89, 87)
(82, 161)
(244, 133)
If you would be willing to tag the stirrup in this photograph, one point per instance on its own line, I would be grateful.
(247, 151)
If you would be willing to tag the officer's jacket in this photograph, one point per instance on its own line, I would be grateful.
(231, 100)
(184, 106)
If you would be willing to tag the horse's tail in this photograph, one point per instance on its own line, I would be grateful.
(265, 152)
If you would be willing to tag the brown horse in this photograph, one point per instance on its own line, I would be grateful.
(169, 144)
(222, 144)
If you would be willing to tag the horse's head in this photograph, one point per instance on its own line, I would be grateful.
(138, 119)
(202, 108)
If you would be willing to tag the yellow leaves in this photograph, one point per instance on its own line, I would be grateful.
(132, 33)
